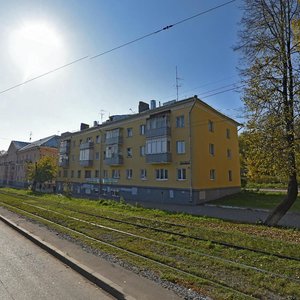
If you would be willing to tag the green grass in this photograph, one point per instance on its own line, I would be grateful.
(256, 199)
(263, 286)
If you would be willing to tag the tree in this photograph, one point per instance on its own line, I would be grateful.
(42, 171)
(270, 72)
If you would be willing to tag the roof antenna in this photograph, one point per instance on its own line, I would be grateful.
(177, 84)
(30, 136)
(102, 113)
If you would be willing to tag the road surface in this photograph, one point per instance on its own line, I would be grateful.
(28, 272)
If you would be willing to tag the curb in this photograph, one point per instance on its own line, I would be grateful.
(102, 282)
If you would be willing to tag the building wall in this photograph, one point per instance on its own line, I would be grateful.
(196, 187)
(211, 128)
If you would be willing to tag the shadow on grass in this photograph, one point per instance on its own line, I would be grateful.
(255, 199)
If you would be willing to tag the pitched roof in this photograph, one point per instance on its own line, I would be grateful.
(18, 145)
(50, 141)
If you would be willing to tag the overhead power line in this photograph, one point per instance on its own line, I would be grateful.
(163, 29)
(118, 47)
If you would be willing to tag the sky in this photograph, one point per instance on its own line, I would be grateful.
(38, 36)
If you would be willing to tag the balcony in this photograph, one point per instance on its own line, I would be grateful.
(64, 163)
(159, 158)
(63, 160)
(115, 160)
(86, 163)
(87, 145)
(64, 147)
(114, 140)
(155, 132)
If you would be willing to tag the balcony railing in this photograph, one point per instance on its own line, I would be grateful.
(64, 163)
(87, 145)
(114, 140)
(86, 163)
(159, 158)
(155, 132)
(115, 160)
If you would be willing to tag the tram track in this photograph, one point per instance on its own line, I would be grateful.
(183, 269)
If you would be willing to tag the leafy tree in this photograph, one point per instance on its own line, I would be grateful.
(42, 171)
(270, 72)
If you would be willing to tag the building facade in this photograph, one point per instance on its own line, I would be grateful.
(13, 164)
(182, 152)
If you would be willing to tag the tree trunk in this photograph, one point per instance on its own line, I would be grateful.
(279, 211)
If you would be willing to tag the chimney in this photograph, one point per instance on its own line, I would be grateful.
(153, 104)
(143, 106)
(84, 126)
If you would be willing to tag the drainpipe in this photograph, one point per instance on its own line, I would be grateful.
(190, 142)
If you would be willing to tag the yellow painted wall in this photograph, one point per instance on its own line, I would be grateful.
(202, 160)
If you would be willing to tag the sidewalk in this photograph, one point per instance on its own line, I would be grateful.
(117, 281)
(246, 215)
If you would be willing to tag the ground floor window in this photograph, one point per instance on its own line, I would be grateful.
(161, 174)
(181, 174)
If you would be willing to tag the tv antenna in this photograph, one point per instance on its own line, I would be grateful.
(102, 113)
(177, 84)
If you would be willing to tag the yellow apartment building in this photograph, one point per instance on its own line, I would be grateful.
(182, 152)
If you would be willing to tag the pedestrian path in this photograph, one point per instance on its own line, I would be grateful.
(239, 214)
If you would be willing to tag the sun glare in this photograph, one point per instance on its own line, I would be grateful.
(35, 48)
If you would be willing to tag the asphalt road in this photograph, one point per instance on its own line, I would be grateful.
(28, 272)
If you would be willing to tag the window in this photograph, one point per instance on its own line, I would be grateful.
(142, 129)
(111, 151)
(129, 173)
(97, 139)
(105, 174)
(87, 174)
(230, 175)
(142, 150)
(212, 149)
(112, 133)
(78, 173)
(211, 126)
(85, 154)
(80, 142)
(158, 145)
(129, 132)
(72, 174)
(65, 173)
(181, 174)
(212, 174)
(89, 139)
(129, 152)
(229, 154)
(180, 147)
(96, 173)
(143, 174)
(228, 133)
(161, 174)
(180, 121)
(97, 155)
(116, 174)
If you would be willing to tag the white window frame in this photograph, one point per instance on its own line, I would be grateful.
(180, 121)
(180, 147)
(211, 126)
(143, 174)
(161, 174)
(212, 174)
(181, 174)
(129, 173)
